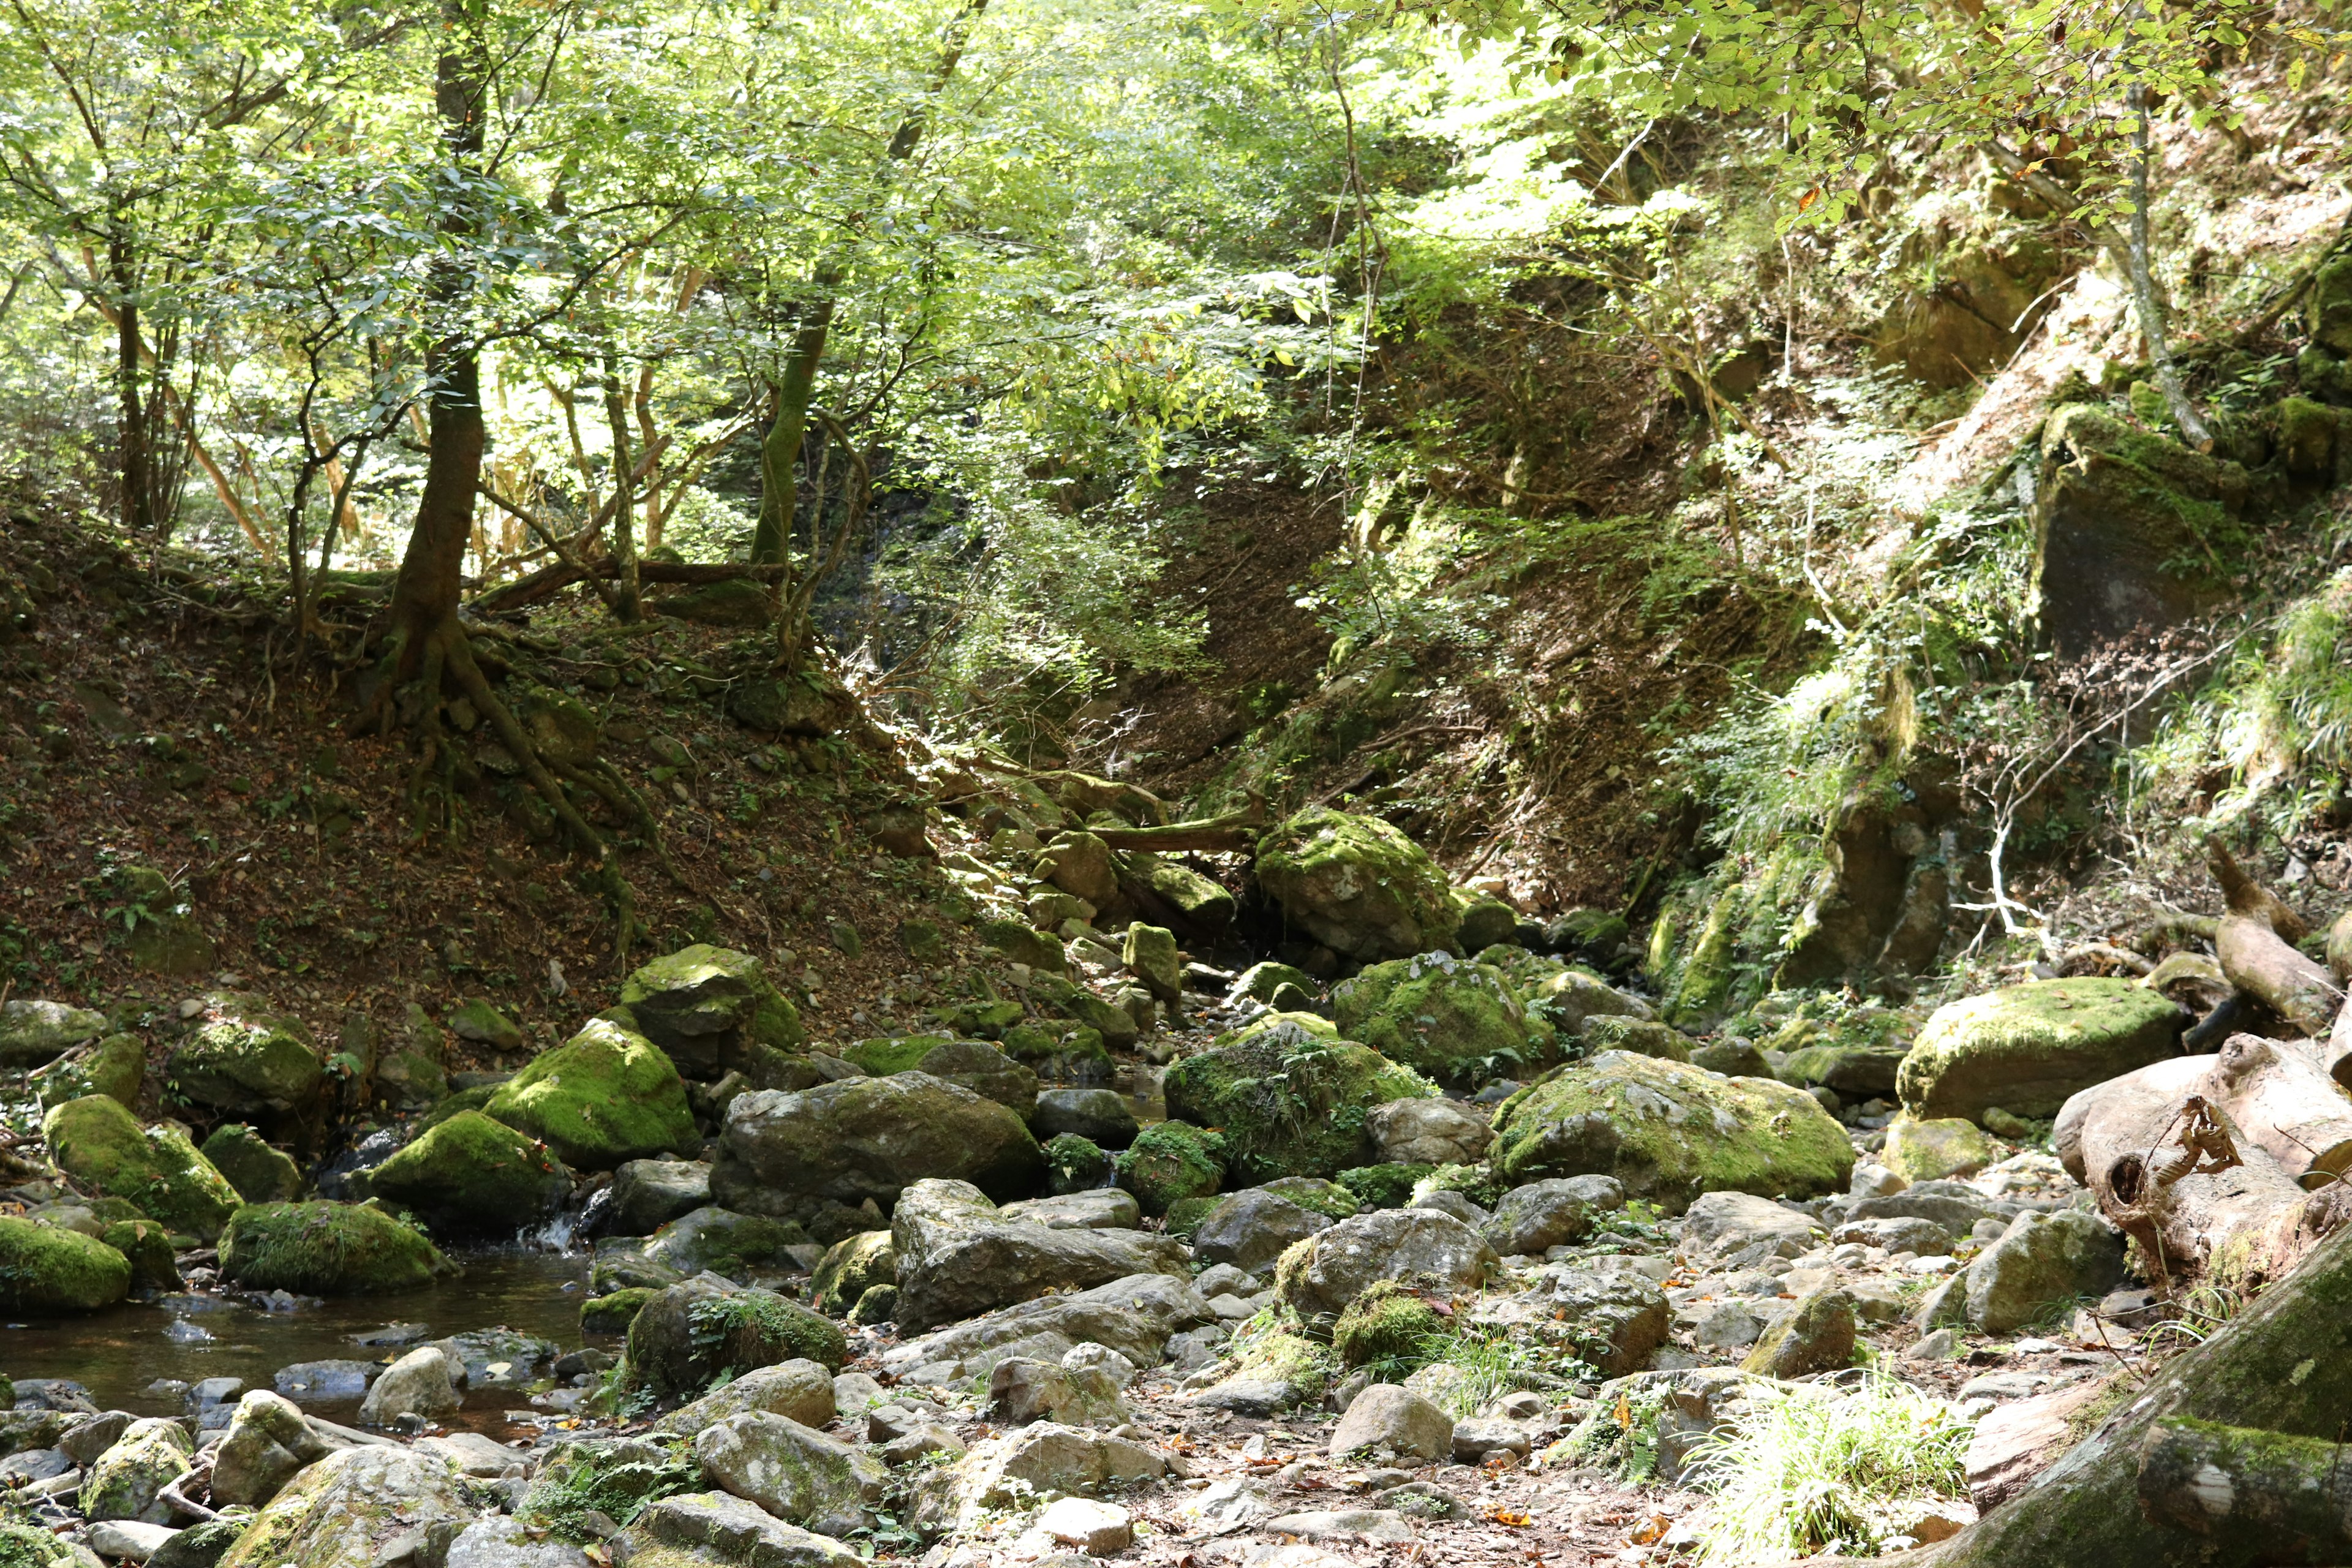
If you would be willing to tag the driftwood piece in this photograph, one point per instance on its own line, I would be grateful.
(2259, 963)
(1234, 830)
(2283, 1364)
(2279, 1094)
(2246, 897)
(2174, 1173)
(2290, 1497)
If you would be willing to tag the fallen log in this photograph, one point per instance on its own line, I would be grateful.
(2283, 1365)
(547, 581)
(2279, 1092)
(2259, 964)
(2244, 896)
(1234, 830)
(2290, 1497)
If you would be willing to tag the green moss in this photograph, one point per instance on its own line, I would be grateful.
(470, 1173)
(1706, 978)
(1170, 1162)
(702, 992)
(261, 1174)
(1073, 1164)
(2027, 1047)
(1460, 1023)
(1388, 1187)
(884, 1056)
(1356, 885)
(1932, 1151)
(1287, 1101)
(147, 1248)
(613, 1312)
(603, 1097)
(114, 1067)
(247, 1061)
(851, 1267)
(1078, 1053)
(464, 1100)
(45, 1269)
(758, 1328)
(1476, 1183)
(1282, 1356)
(28, 1546)
(1185, 1215)
(101, 1145)
(1669, 1132)
(1312, 1192)
(1391, 1325)
(326, 1249)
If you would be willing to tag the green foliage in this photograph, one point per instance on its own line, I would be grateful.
(1388, 1329)
(618, 1480)
(747, 1329)
(1389, 1186)
(1813, 1472)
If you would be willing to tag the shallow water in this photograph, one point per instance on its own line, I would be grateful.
(116, 1354)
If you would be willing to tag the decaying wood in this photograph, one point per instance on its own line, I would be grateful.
(2167, 1163)
(2280, 1093)
(1234, 830)
(2244, 896)
(2289, 1496)
(2258, 963)
(2281, 1366)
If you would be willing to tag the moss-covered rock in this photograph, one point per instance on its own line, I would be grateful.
(1185, 1215)
(113, 1066)
(851, 1267)
(377, 1504)
(603, 1096)
(29, 1546)
(1931, 1150)
(2026, 1048)
(986, 1071)
(1459, 1023)
(261, 1174)
(470, 1175)
(2331, 306)
(475, 1020)
(613, 1313)
(1356, 885)
(1200, 904)
(1074, 1163)
(1383, 1187)
(1641, 1037)
(1075, 1052)
(1391, 1324)
(1019, 942)
(691, 1332)
(1331, 1199)
(33, 1032)
(1169, 1162)
(902, 1053)
(100, 1145)
(45, 1269)
(1288, 1100)
(863, 1138)
(147, 1248)
(1669, 1131)
(125, 1481)
(248, 1062)
(326, 1249)
(715, 1011)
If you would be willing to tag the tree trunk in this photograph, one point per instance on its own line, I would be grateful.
(2283, 1364)
(425, 595)
(2289, 1496)
(137, 455)
(2257, 962)
(2145, 302)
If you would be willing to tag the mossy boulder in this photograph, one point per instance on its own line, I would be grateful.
(1641, 1037)
(1388, 1185)
(113, 1066)
(1356, 885)
(851, 1267)
(475, 1020)
(715, 1011)
(248, 1062)
(606, 1095)
(1074, 1163)
(1669, 1131)
(473, 1176)
(1391, 1324)
(126, 1481)
(326, 1249)
(986, 1071)
(903, 1053)
(44, 1268)
(100, 1145)
(147, 1248)
(1288, 1100)
(261, 1174)
(1199, 903)
(1169, 1162)
(864, 1138)
(33, 1032)
(29, 1546)
(689, 1334)
(2331, 306)
(1459, 1023)
(1931, 1150)
(1022, 943)
(613, 1313)
(2026, 1048)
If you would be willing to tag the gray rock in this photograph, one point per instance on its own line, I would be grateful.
(1256, 1396)
(421, 1382)
(91, 1436)
(919, 1441)
(1377, 1526)
(326, 1382)
(1817, 1334)
(497, 1540)
(1102, 1359)
(1196, 1348)
(34, 1032)
(472, 1454)
(200, 1546)
(1096, 1529)
(1389, 1419)
(1533, 1218)
(869, 1138)
(1097, 1115)
(2042, 1258)
(126, 1480)
(34, 1465)
(1681, 1408)
(1134, 1316)
(1096, 1208)
(1042, 1459)
(1725, 1326)
(1336, 1266)
(959, 1257)
(1021, 1390)
(1473, 1440)
(1616, 1318)
(794, 1472)
(1740, 1230)
(1444, 1200)
(987, 1072)
(1428, 1133)
(801, 1390)
(1955, 1206)
(1253, 1228)
(126, 1540)
(649, 1194)
(1223, 1278)
(268, 1444)
(1924, 1236)
(673, 1351)
(738, 1533)
(1871, 1180)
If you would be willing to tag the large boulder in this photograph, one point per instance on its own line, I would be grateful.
(1615, 1317)
(1458, 1022)
(114, 1065)
(126, 1481)
(261, 1174)
(1188, 897)
(1253, 1228)
(1931, 1150)
(1669, 1131)
(959, 1257)
(986, 1071)
(713, 1528)
(35, 1032)
(2042, 1259)
(794, 1472)
(1288, 1100)
(714, 1011)
(422, 1383)
(1331, 1268)
(1134, 1316)
(2025, 1048)
(1817, 1334)
(47, 1268)
(722, 1241)
(1044, 1459)
(1532, 1219)
(1356, 885)
(605, 1096)
(851, 1267)
(101, 1145)
(1170, 1162)
(869, 1138)
(684, 1336)
(268, 1445)
(801, 1390)
(470, 1175)
(649, 1194)
(1097, 1115)
(1389, 1420)
(1429, 1131)
(250, 1063)
(1732, 1230)
(1571, 996)
(386, 1507)
(326, 1249)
